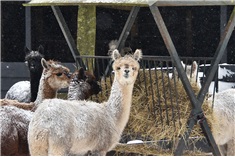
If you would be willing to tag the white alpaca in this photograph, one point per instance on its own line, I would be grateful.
(113, 45)
(223, 124)
(191, 70)
(85, 126)
(191, 73)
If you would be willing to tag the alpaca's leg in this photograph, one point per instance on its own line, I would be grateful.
(57, 148)
(223, 149)
(38, 143)
(103, 153)
(95, 153)
(231, 148)
(10, 142)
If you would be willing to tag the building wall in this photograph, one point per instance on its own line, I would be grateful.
(195, 31)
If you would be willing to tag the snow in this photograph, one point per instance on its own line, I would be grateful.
(92, 1)
(135, 142)
(224, 72)
(225, 85)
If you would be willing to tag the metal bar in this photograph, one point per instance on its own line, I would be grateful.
(125, 32)
(28, 40)
(164, 94)
(158, 93)
(171, 95)
(207, 132)
(177, 95)
(182, 143)
(223, 21)
(191, 2)
(218, 55)
(198, 118)
(130, 3)
(152, 58)
(194, 101)
(68, 37)
(127, 28)
(173, 53)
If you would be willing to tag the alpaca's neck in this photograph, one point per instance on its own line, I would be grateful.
(119, 103)
(34, 84)
(79, 91)
(44, 91)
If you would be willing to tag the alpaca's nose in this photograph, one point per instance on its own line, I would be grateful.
(127, 71)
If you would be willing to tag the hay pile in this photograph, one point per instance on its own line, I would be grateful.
(150, 150)
(160, 110)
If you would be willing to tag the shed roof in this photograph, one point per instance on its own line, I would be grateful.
(130, 2)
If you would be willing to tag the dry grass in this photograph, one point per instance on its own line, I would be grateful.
(150, 150)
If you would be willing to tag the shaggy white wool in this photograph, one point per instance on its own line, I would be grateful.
(64, 127)
(19, 91)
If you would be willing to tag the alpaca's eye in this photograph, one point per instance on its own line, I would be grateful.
(118, 68)
(58, 74)
(133, 68)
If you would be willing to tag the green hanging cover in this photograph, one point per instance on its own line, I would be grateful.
(86, 32)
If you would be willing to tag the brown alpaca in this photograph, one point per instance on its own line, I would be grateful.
(25, 106)
(86, 126)
(15, 120)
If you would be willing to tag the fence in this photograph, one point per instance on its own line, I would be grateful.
(160, 106)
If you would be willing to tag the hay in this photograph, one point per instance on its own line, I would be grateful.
(160, 110)
(149, 150)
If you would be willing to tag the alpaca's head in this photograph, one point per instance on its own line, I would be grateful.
(191, 70)
(56, 75)
(124, 51)
(82, 85)
(126, 68)
(33, 59)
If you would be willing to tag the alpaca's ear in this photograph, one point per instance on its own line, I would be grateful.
(115, 54)
(194, 66)
(113, 44)
(41, 49)
(26, 50)
(138, 54)
(81, 72)
(44, 64)
(183, 64)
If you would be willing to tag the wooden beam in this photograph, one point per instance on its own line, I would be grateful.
(197, 114)
(131, 3)
(125, 32)
(67, 34)
(191, 2)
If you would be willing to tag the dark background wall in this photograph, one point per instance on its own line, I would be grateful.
(195, 31)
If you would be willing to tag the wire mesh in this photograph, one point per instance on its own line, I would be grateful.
(157, 82)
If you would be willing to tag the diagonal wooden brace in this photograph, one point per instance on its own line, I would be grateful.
(125, 32)
(68, 37)
(196, 102)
